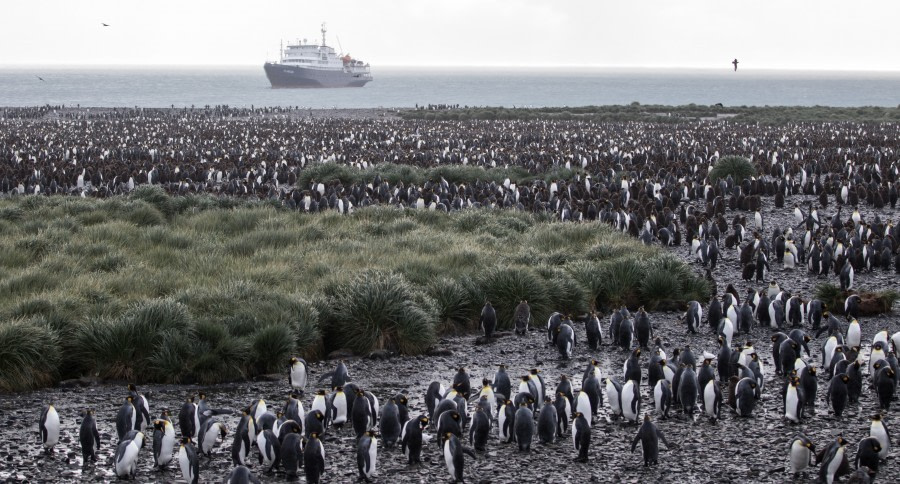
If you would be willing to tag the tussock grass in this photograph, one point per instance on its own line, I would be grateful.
(383, 311)
(737, 167)
(202, 289)
(29, 355)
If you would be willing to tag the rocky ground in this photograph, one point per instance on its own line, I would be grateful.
(732, 449)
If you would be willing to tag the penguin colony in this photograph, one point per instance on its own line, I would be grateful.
(460, 418)
(846, 165)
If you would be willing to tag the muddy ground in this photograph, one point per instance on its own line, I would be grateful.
(731, 450)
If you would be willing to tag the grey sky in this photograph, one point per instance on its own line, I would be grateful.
(784, 34)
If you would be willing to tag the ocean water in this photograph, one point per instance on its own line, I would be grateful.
(406, 87)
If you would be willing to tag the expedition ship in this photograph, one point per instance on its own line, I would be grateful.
(310, 65)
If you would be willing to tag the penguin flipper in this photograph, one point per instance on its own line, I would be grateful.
(662, 437)
(634, 442)
(326, 376)
(468, 451)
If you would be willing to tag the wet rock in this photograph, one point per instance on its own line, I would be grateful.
(340, 354)
(439, 352)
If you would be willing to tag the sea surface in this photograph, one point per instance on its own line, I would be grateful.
(246, 86)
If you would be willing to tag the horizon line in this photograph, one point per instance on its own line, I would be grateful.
(28, 65)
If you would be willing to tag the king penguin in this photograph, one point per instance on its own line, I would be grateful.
(547, 422)
(630, 401)
(244, 437)
(298, 374)
(366, 455)
(163, 443)
(802, 453)
(411, 439)
(126, 456)
(269, 450)
(390, 423)
(89, 437)
(210, 431)
(649, 436)
(879, 431)
(292, 452)
(314, 459)
(833, 461)
(188, 461)
(453, 457)
(48, 425)
(126, 418)
(712, 399)
(241, 475)
(581, 436)
(524, 427)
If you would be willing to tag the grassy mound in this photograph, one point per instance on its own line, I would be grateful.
(737, 167)
(202, 289)
(872, 303)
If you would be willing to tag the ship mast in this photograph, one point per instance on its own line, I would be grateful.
(323, 34)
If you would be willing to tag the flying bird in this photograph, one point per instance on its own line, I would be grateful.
(104, 24)
(41, 78)
(735, 62)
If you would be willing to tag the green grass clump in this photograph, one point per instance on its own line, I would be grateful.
(29, 355)
(737, 167)
(506, 287)
(454, 304)
(125, 347)
(382, 311)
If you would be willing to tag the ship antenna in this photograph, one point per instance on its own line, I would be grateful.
(323, 34)
(339, 44)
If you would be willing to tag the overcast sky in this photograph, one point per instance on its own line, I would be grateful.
(762, 34)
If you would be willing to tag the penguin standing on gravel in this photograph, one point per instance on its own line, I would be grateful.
(522, 318)
(188, 419)
(291, 451)
(188, 461)
(693, 316)
(524, 427)
(593, 332)
(411, 439)
(712, 399)
(298, 374)
(867, 453)
(565, 341)
(314, 459)
(240, 449)
(581, 436)
(630, 400)
(390, 423)
(649, 436)
(548, 420)
(269, 450)
(833, 461)
(211, 430)
(802, 453)
(126, 456)
(878, 430)
(366, 455)
(793, 401)
(88, 437)
(163, 442)
(142, 408)
(361, 416)
(488, 321)
(506, 417)
(453, 451)
(126, 418)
